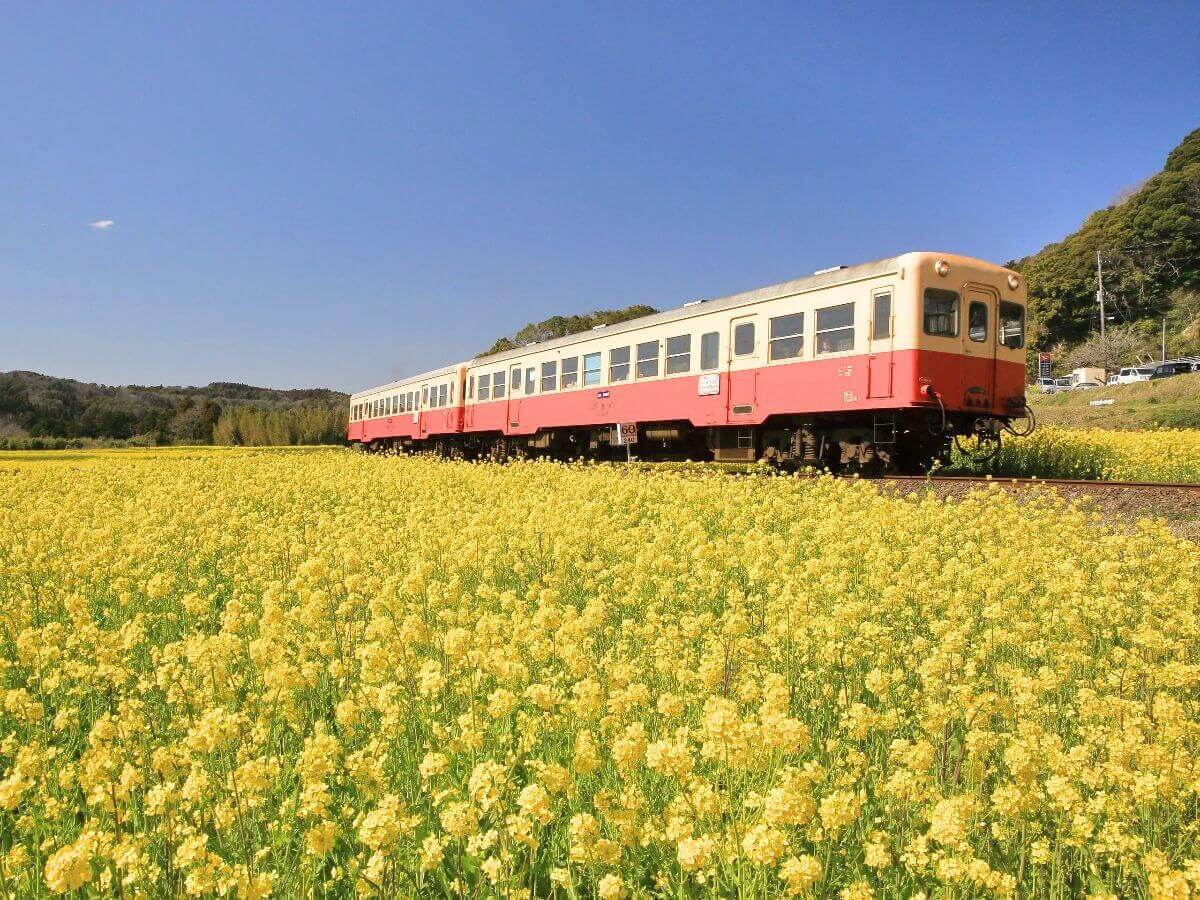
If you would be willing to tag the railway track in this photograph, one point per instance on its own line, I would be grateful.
(1075, 483)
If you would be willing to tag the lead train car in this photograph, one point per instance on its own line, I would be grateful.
(879, 365)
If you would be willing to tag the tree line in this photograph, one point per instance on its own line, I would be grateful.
(39, 410)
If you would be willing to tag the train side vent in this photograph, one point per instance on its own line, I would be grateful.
(742, 410)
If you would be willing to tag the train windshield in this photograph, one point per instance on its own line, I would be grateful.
(1012, 325)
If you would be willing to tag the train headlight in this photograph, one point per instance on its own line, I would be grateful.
(1013, 281)
(942, 267)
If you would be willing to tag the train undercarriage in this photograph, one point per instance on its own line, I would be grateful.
(907, 441)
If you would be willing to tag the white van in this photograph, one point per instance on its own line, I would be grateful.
(1130, 374)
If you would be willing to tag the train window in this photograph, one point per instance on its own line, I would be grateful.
(881, 323)
(395, 403)
(591, 369)
(710, 351)
(1012, 325)
(452, 393)
(570, 373)
(941, 312)
(442, 392)
(498, 385)
(977, 316)
(618, 364)
(471, 388)
(514, 379)
(412, 401)
(530, 380)
(785, 336)
(647, 359)
(485, 387)
(679, 354)
(743, 339)
(425, 398)
(549, 376)
(835, 328)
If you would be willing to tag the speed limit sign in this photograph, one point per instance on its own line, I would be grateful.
(627, 433)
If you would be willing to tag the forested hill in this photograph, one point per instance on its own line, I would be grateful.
(561, 326)
(1149, 241)
(40, 406)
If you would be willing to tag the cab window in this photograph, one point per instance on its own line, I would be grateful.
(1012, 325)
(940, 312)
(515, 379)
(977, 316)
(530, 380)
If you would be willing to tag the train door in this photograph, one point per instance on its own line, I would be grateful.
(514, 398)
(743, 348)
(880, 338)
(979, 343)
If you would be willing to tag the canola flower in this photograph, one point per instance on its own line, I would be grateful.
(1096, 453)
(250, 673)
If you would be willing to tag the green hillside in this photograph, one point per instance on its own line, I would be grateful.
(1169, 403)
(1149, 243)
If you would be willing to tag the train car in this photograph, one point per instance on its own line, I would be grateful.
(879, 365)
(426, 407)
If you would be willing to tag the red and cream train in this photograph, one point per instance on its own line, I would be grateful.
(870, 366)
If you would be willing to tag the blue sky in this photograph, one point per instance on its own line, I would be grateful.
(339, 194)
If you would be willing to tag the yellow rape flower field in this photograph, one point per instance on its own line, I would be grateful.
(250, 673)
(1168, 454)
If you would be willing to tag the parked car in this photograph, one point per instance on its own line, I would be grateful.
(1053, 385)
(1131, 374)
(1174, 367)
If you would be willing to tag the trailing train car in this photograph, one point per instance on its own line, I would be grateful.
(880, 365)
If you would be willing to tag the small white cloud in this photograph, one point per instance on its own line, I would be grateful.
(103, 224)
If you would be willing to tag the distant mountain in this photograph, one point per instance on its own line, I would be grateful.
(561, 326)
(41, 406)
(1149, 240)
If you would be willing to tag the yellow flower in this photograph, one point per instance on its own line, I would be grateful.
(318, 840)
(67, 869)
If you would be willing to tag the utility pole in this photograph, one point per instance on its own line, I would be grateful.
(1100, 291)
(1164, 341)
